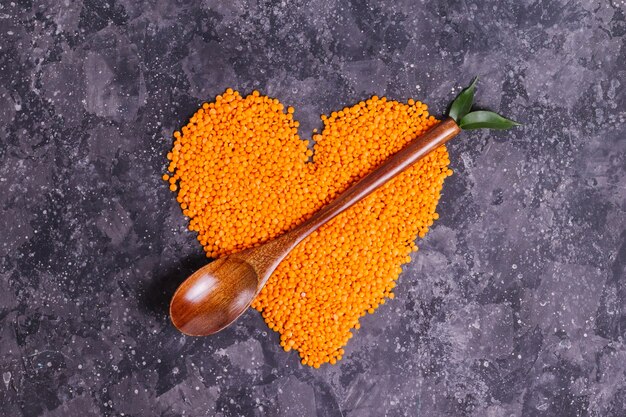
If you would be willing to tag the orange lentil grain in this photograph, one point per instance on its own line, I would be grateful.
(244, 176)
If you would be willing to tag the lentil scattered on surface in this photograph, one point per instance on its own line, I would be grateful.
(244, 176)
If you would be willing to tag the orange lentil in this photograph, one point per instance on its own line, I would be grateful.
(244, 176)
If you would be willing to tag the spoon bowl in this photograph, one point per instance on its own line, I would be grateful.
(214, 296)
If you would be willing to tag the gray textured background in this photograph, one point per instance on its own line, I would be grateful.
(516, 304)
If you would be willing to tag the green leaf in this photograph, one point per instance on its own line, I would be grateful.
(462, 104)
(486, 119)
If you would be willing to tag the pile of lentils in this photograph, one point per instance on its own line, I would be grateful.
(243, 176)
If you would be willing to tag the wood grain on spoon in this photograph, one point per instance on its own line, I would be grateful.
(218, 293)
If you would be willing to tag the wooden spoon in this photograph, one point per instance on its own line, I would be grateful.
(217, 294)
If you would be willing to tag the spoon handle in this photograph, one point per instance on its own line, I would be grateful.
(392, 166)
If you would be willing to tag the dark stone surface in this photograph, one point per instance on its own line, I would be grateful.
(515, 305)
